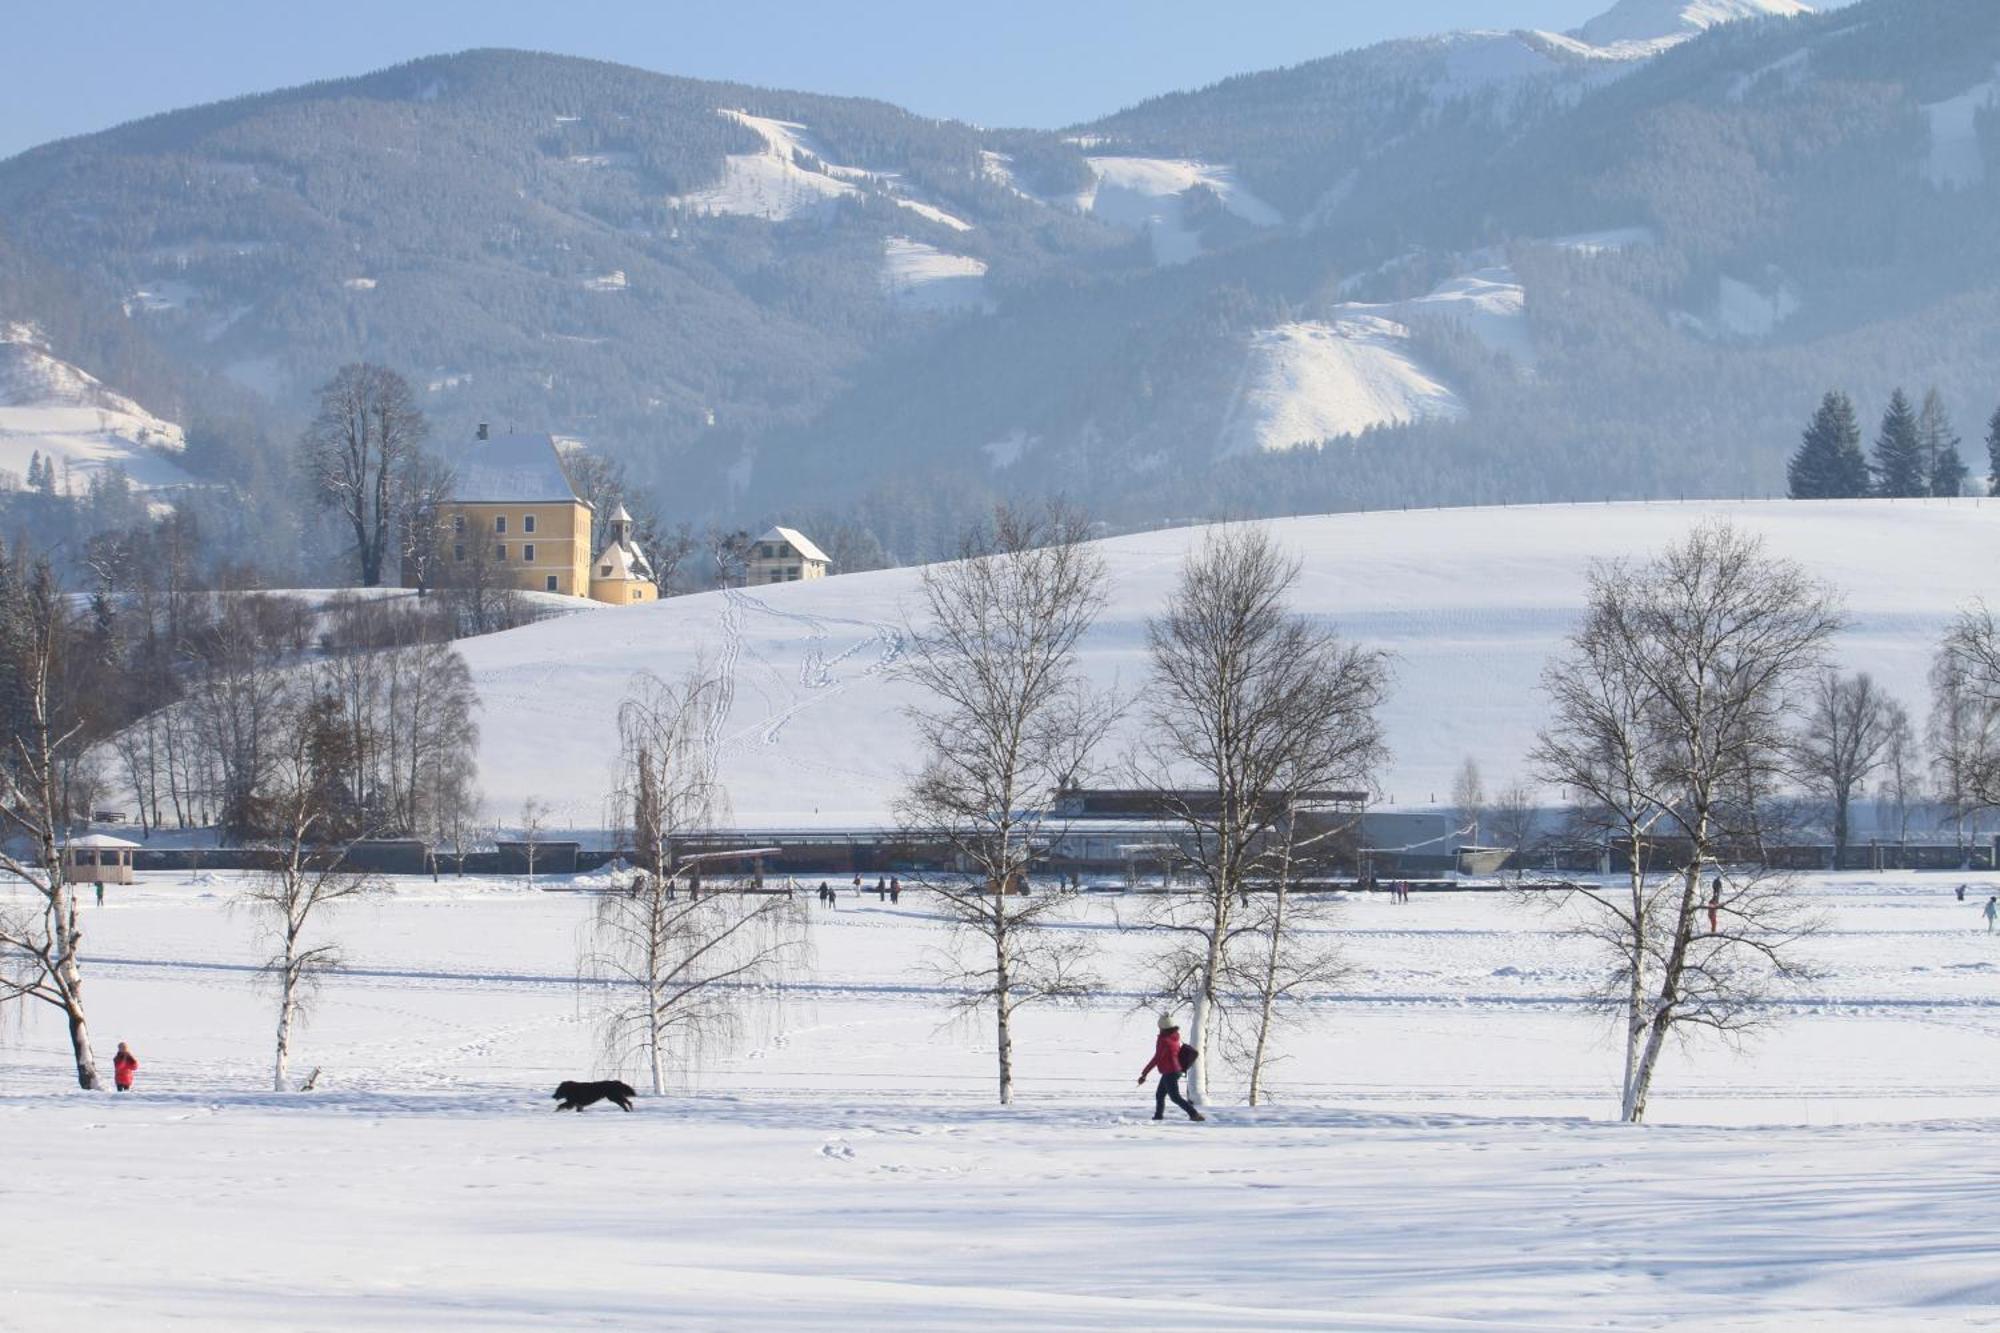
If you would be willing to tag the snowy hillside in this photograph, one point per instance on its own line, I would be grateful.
(1471, 603)
(1158, 198)
(51, 408)
(1659, 23)
(1305, 382)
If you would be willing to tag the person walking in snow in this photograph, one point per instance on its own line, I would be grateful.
(1167, 1059)
(1992, 913)
(1714, 904)
(1961, 893)
(895, 890)
(100, 893)
(123, 1066)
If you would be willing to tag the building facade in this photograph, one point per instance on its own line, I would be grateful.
(515, 520)
(784, 555)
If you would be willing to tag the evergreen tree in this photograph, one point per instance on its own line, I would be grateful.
(1828, 464)
(1944, 470)
(1993, 454)
(1898, 457)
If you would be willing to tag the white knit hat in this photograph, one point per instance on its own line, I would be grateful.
(1167, 1023)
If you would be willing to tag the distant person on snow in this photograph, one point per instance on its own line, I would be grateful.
(1961, 893)
(1714, 903)
(1992, 913)
(123, 1066)
(895, 889)
(824, 893)
(1167, 1059)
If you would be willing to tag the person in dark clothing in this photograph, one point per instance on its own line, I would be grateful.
(895, 889)
(881, 889)
(1167, 1059)
(824, 893)
(1714, 904)
(123, 1066)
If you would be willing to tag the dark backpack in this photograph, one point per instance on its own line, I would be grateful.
(1189, 1055)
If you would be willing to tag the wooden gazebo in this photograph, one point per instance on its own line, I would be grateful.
(98, 858)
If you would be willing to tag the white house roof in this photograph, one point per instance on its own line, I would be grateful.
(102, 840)
(625, 564)
(620, 515)
(511, 469)
(798, 541)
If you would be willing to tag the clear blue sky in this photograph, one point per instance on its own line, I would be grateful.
(84, 67)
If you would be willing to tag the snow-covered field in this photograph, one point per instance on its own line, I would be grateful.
(1470, 602)
(1438, 1155)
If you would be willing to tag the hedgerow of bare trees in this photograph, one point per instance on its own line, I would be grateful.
(678, 969)
(1671, 712)
(1251, 708)
(1006, 723)
(1965, 717)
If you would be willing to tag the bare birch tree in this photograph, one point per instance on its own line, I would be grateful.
(1901, 789)
(1006, 724)
(1842, 741)
(680, 969)
(41, 944)
(308, 877)
(1249, 707)
(1670, 708)
(1513, 822)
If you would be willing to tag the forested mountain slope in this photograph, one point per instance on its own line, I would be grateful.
(1484, 266)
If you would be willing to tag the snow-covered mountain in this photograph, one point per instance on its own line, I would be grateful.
(51, 408)
(777, 302)
(1658, 23)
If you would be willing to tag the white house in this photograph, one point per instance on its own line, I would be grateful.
(784, 555)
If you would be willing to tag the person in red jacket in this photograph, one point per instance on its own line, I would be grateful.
(1167, 1059)
(123, 1066)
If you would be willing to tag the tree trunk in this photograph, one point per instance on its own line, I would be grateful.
(281, 1064)
(1269, 997)
(1204, 1005)
(1003, 1018)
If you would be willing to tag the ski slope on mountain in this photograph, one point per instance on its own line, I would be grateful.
(1470, 603)
(52, 408)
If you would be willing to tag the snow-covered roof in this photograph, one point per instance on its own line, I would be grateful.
(102, 840)
(799, 543)
(626, 563)
(512, 469)
(621, 515)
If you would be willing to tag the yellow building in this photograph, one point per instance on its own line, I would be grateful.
(514, 512)
(621, 574)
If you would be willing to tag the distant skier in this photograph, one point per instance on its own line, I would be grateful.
(1992, 913)
(123, 1066)
(1167, 1059)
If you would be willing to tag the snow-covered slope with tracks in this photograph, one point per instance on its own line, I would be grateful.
(51, 408)
(1470, 602)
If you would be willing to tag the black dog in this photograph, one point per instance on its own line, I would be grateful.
(576, 1096)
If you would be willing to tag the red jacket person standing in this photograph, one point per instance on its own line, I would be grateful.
(1167, 1059)
(123, 1066)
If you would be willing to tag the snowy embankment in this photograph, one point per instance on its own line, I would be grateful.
(1470, 602)
(1437, 1157)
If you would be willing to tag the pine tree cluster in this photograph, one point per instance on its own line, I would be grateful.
(1915, 452)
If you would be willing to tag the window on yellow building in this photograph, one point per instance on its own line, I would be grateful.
(458, 524)
(551, 585)
(500, 551)
(528, 523)
(499, 522)
(604, 571)
(528, 553)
